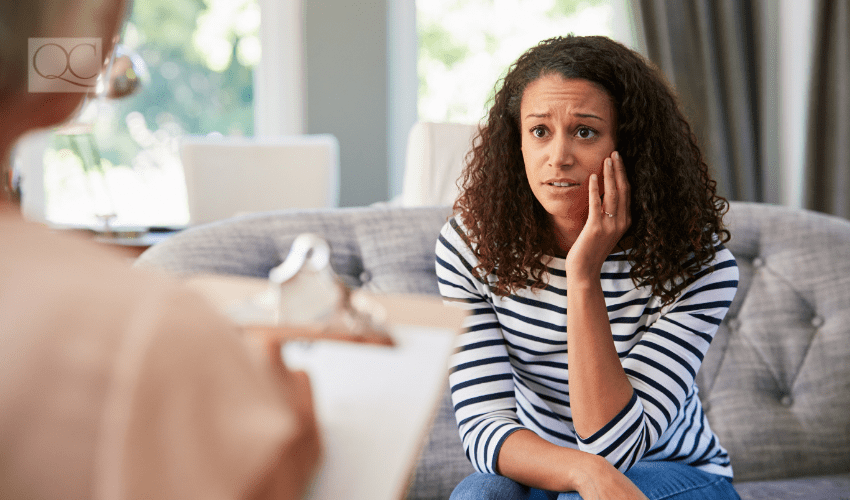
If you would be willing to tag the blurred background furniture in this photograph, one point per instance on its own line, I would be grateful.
(233, 175)
(775, 383)
(436, 154)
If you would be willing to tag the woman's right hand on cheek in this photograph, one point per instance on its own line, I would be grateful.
(599, 480)
(608, 219)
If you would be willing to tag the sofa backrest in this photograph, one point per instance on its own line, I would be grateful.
(381, 249)
(775, 383)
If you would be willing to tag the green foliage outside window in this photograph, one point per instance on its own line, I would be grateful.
(465, 46)
(567, 8)
(200, 56)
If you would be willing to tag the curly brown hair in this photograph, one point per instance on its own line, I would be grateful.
(676, 212)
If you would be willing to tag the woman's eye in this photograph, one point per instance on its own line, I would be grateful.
(538, 132)
(586, 133)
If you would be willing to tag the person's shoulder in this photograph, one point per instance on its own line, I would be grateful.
(450, 225)
(36, 256)
(455, 230)
(53, 256)
(722, 268)
(454, 236)
(61, 274)
(723, 257)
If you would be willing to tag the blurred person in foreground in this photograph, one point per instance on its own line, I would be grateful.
(117, 383)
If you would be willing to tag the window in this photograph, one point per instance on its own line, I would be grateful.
(198, 58)
(465, 46)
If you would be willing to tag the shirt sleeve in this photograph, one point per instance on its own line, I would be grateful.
(480, 375)
(662, 367)
(192, 411)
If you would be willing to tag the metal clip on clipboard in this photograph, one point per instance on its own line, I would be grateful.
(312, 303)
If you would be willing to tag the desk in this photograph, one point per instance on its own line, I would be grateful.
(133, 244)
(130, 242)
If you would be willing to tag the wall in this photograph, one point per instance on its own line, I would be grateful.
(402, 85)
(345, 57)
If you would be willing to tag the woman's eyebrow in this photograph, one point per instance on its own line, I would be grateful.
(578, 115)
(589, 115)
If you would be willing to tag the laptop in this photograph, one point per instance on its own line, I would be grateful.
(230, 176)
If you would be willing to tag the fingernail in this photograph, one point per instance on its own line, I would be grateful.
(592, 177)
(615, 155)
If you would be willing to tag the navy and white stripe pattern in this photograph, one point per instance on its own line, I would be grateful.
(510, 371)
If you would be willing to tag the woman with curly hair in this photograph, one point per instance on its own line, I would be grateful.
(587, 244)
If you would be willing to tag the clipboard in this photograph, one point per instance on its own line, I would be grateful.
(374, 402)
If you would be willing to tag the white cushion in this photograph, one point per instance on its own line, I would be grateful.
(435, 158)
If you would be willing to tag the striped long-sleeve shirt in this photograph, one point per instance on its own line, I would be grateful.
(510, 371)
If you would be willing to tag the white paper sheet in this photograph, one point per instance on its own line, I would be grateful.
(374, 406)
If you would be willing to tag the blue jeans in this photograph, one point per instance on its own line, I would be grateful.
(657, 480)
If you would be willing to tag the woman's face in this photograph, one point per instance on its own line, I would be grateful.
(568, 128)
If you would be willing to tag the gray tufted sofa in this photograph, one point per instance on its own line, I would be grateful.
(775, 383)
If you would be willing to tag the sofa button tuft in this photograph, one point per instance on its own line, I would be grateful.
(758, 262)
(817, 322)
(786, 400)
(365, 277)
(734, 323)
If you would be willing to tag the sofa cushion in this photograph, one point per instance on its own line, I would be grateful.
(442, 463)
(397, 249)
(776, 382)
(807, 488)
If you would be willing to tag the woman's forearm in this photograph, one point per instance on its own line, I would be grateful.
(529, 459)
(599, 388)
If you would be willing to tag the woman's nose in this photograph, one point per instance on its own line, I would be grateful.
(560, 154)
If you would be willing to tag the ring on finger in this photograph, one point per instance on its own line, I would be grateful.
(606, 213)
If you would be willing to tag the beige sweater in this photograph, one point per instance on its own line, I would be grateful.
(117, 383)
